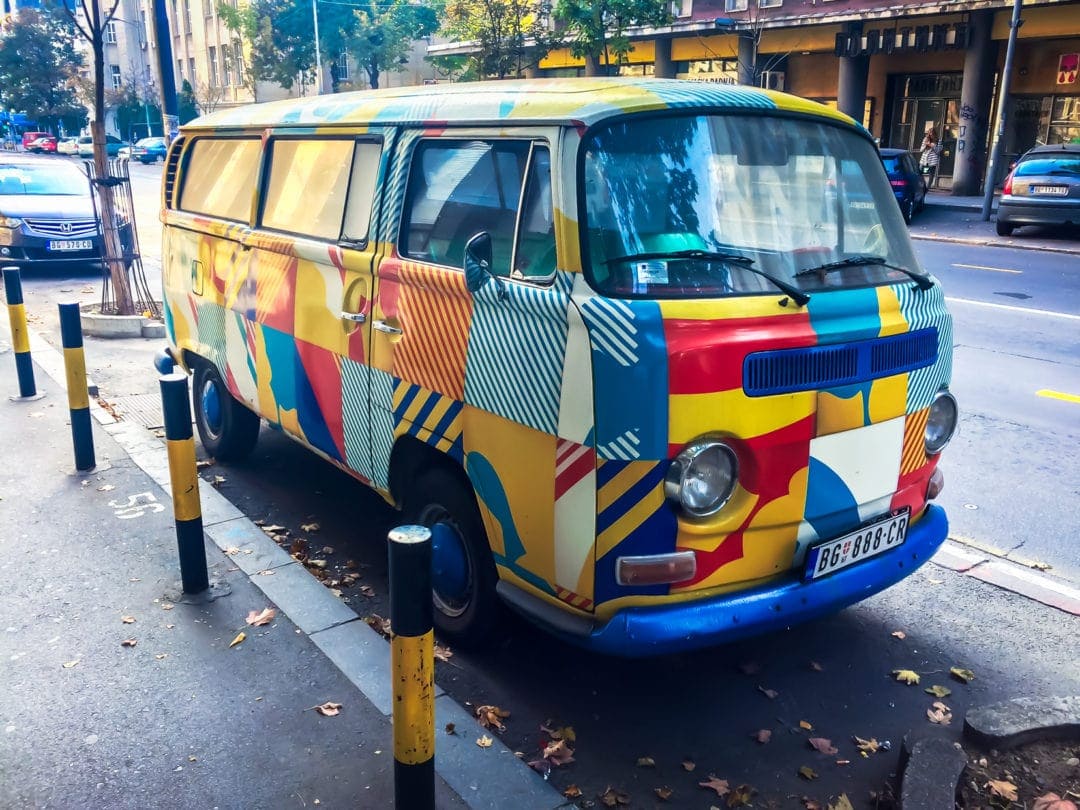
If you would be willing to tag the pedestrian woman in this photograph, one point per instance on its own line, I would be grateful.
(931, 157)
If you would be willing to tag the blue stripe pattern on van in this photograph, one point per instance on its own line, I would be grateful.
(354, 415)
(925, 309)
(784, 371)
(442, 432)
(517, 345)
(382, 425)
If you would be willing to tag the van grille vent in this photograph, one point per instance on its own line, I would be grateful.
(172, 164)
(815, 367)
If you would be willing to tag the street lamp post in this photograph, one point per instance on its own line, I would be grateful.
(318, 57)
(1003, 99)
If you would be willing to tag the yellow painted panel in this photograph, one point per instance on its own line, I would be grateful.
(560, 59)
(717, 46)
(75, 372)
(888, 398)
(800, 38)
(892, 320)
(1058, 20)
(735, 413)
(717, 308)
(184, 479)
(837, 414)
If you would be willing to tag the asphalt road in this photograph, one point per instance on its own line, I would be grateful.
(1011, 483)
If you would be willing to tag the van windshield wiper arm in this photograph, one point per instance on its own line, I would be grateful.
(922, 281)
(739, 259)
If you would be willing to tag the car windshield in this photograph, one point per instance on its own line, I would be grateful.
(1064, 165)
(31, 180)
(718, 205)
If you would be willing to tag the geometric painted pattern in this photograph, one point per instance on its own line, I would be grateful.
(516, 348)
(382, 426)
(922, 309)
(354, 415)
(430, 417)
(913, 455)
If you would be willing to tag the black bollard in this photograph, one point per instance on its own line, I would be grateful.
(184, 479)
(20, 338)
(82, 434)
(412, 654)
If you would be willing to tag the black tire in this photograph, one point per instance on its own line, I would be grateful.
(230, 433)
(1004, 228)
(473, 617)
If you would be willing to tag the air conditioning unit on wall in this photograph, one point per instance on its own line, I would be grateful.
(772, 80)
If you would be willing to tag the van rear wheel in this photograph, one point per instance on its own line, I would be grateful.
(467, 611)
(228, 431)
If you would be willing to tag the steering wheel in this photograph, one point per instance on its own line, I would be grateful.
(875, 242)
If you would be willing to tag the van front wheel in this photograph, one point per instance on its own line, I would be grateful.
(227, 429)
(467, 610)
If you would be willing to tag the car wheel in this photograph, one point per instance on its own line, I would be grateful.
(1004, 228)
(228, 430)
(467, 610)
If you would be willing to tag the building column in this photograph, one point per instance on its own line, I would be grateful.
(747, 57)
(851, 82)
(663, 68)
(976, 99)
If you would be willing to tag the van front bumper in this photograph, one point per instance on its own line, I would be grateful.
(657, 630)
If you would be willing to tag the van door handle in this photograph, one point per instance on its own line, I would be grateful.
(355, 317)
(383, 326)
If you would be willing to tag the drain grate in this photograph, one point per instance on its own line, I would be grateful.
(142, 409)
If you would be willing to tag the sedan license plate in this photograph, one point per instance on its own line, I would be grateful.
(1058, 191)
(71, 244)
(861, 544)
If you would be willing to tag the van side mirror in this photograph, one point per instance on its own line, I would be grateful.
(478, 261)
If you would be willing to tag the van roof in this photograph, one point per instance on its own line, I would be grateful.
(556, 101)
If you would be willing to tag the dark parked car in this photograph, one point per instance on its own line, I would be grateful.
(1042, 189)
(907, 181)
(148, 150)
(47, 215)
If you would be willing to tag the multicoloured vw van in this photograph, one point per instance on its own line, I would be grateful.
(653, 359)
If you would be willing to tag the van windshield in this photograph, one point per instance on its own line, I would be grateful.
(718, 205)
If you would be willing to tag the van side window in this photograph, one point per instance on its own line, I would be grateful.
(458, 189)
(305, 192)
(219, 178)
(534, 256)
(365, 173)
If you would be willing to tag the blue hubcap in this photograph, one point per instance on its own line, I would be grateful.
(211, 407)
(449, 563)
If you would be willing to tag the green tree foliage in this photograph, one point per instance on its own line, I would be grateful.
(39, 69)
(381, 33)
(597, 31)
(510, 35)
(281, 36)
(188, 108)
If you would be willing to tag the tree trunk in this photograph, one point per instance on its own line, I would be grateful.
(373, 73)
(592, 66)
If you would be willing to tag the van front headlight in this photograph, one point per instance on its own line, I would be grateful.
(702, 477)
(941, 423)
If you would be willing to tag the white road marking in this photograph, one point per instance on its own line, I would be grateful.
(984, 267)
(1027, 310)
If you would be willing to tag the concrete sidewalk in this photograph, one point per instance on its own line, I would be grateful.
(946, 218)
(177, 715)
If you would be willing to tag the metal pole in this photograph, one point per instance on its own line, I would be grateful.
(412, 664)
(318, 57)
(184, 480)
(20, 338)
(1003, 98)
(82, 434)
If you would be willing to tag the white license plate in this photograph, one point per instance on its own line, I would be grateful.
(71, 244)
(861, 544)
(1060, 191)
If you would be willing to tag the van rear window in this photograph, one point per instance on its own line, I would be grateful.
(219, 178)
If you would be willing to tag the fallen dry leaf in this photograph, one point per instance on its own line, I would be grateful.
(319, 563)
(161, 656)
(842, 803)
(940, 713)
(938, 691)
(763, 735)
(805, 726)
(559, 753)
(663, 793)
(128, 642)
(963, 675)
(807, 773)
(367, 590)
(262, 617)
(106, 488)
(810, 804)
(769, 693)
(329, 709)
(442, 653)
(822, 745)
(232, 551)
(740, 797)
(1051, 801)
(816, 667)
(218, 480)
(379, 624)
(491, 717)
(484, 741)
(688, 765)
(719, 785)
(646, 762)
(572, 792)
(327, 549)
(900, 634)
(274, 529)
(127, 619)
(450, 729)
(309, 527)
(167, 606)
(871, 746)
(202, 465)
(1002, 789)
(239, 639)
(908, 676)
(70, 664)
(561, 733)
(613, 798)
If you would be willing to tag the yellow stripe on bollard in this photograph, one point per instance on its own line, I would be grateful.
(184, 478)
(20, 338)
(414, 697)
(75, 369)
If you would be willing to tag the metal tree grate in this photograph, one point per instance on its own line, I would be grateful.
(118, 178)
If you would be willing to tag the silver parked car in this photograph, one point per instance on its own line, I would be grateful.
(1042, 189)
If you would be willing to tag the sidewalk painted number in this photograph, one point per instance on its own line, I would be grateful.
(137, 506)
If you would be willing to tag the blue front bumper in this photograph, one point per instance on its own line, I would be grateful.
(685, 626)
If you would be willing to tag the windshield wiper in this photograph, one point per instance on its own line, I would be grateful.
(923, 282)
(745, 262)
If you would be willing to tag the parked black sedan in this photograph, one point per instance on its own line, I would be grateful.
(47, 214)
(1042, 189)
(906, 180)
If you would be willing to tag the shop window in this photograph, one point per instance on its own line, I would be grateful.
(735, 5)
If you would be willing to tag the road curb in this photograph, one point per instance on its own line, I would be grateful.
(956, 240)
(482, 777)
(931, 765)
(1022, 720)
